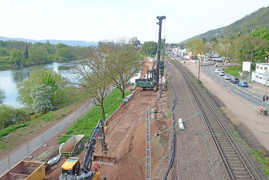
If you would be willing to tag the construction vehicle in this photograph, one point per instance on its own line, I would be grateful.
(73, 146)
(149, 81)
(71, 168)
(25, 170)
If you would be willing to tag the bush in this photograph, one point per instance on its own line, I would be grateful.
(11, 128)
(9, 116)
(51, 90)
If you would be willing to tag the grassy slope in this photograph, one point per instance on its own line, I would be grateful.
(37, 123)
(233, 70)
(89, 120)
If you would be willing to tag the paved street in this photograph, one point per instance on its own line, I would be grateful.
(252, 97)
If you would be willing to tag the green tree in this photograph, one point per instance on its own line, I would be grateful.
(149, 48)
(134, 41)
(247, 46)
(4, 52)
(39, 79)
(38, 55)
(94, 77)
(122, 63)
(41, 97)
(10, 115)
(2, 96)
(197, 46)
(64, 53)
(17, 57)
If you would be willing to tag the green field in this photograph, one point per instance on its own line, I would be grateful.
(89, 120)
(233, 70)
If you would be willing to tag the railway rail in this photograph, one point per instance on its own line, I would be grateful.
(236, 163)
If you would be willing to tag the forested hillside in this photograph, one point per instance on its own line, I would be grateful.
(16, 54)
(258, 20)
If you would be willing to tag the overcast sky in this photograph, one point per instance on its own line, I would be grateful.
(94, 20)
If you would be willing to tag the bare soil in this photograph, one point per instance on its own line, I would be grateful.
(126, 134)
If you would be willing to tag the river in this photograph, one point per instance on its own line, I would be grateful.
(9, 80)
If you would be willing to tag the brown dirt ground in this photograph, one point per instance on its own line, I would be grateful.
(126, 132)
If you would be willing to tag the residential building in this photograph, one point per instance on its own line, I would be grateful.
(261, 74)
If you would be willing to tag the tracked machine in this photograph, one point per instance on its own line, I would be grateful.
(73, 170)
(152, 79)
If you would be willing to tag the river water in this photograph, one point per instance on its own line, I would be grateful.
(9, 80)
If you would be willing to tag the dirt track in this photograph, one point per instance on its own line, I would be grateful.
(126, 136)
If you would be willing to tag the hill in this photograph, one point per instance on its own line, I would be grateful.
(66, 42)
(257, 20)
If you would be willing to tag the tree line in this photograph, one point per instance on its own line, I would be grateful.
(108, 65)
(243, 47)
(16, 54)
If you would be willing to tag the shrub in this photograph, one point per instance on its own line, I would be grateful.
(9, 116)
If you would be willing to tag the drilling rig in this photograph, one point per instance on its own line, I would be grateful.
(151, 80)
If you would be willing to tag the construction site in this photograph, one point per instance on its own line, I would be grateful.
(170, 126)
(125, 137)
(133, 143)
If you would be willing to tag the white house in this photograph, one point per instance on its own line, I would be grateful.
(261, 75)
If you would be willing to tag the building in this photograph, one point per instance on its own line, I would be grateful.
(261, 75)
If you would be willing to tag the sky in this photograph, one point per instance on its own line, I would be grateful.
(97, 20)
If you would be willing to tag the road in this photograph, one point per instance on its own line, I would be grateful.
(252, 97)
(29, 147)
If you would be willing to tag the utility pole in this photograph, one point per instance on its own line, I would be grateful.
(250, 66)
(199, 67)
(160, 18)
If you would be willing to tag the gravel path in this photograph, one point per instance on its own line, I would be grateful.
(196, 155)
(29, 147)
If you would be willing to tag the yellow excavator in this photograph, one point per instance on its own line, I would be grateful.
(71, 168)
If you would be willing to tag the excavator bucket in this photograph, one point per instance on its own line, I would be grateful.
(105, 160)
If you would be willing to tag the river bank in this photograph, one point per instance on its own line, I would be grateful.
(9, 79)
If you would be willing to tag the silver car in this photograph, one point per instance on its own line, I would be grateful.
(227, 77)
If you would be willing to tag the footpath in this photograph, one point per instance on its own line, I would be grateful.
(32, 145)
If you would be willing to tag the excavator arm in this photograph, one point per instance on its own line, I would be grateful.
(85, 171)
(90, 146)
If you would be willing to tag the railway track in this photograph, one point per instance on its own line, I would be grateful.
(235, 161)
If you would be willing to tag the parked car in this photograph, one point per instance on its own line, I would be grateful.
(243, 84)
(234, 80)
(217, 70)
(221, 73)
(227, 77)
